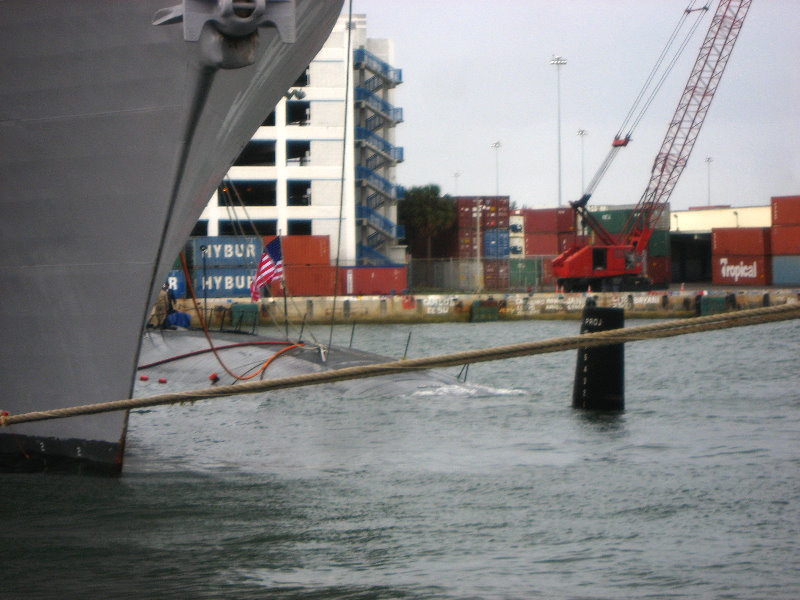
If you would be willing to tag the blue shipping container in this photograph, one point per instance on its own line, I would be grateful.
(176, 281)
(223, 283)
(225, 251)
(496, 243)
(786, 270)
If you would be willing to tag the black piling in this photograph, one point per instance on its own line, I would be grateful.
(600, 372)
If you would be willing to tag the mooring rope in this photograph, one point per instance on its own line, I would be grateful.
(742, 318)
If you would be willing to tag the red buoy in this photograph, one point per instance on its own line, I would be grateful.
(162, 380)
(143, 378)
(214, 378)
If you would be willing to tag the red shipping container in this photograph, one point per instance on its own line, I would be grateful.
(547, 272)
(465, 245)
(494, 212)
(364, 281)
(659, 269)
(549, 220)
(744, 241)
(565, 220)
(741, 270)
(306, 280)
(496, 274)
(466, 218)
(492, 266)
(304, 249)
(496, 282)
(565, 240)
(495, 220)
(544, 220)
(785, 240)
(541, 244)
(786, 210)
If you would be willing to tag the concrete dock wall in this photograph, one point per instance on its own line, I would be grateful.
(221, 313)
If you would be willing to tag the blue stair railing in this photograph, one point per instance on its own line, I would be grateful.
(378, 183)
(379, 105)
(378, 143)
(365, 254)
(379, 222)
(364, 58)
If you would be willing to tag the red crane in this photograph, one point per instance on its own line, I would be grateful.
(616, 261)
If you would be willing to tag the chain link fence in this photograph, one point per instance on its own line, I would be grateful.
(532, 274)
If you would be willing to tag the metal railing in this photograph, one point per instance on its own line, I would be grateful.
(379, 105)
(380, 184)
(364, 58)
(380, 144)
(446, 275)
(373, 257)
(379, 222)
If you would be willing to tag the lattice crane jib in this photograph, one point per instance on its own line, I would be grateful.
(687, 121)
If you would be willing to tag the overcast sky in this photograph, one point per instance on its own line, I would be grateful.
(478, 71)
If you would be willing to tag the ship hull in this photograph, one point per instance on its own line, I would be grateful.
(114, 133)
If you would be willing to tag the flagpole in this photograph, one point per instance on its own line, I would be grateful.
(283, 287)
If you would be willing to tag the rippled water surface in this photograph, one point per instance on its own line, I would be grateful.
(498, 490)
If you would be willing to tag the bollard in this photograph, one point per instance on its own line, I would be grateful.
(600, 372)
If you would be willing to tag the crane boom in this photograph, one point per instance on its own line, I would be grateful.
(616, 261)
(687, 120)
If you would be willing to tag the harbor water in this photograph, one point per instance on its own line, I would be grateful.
(496, 490)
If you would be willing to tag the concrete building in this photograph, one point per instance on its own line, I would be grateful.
(703, 220)
(326, 149)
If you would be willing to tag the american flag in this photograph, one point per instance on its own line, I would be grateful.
(269, 269)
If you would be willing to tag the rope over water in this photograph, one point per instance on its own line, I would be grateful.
(742, 318)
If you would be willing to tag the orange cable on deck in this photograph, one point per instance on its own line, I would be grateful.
(201, 318)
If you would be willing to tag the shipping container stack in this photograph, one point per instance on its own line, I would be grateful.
(307, 266)
(546, 232)
(308, 271)
(785, 240)
(222, 266)
(493, 246)
(741, 256)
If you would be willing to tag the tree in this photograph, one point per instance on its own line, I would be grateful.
(425, 214)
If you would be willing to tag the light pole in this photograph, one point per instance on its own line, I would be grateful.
(456, 175)
(478, 268)
(497, 145)
(558, 61)
(708, 164)
(582, 133)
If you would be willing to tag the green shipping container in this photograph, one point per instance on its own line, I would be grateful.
(524, 272)
(613, 220)
(659, 244)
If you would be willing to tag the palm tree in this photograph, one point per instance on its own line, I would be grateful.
(425, 214)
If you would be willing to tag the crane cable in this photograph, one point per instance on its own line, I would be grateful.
(349, 53)
(659, 62)
(633, 117)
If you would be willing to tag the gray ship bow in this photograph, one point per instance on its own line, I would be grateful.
(117, 122)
